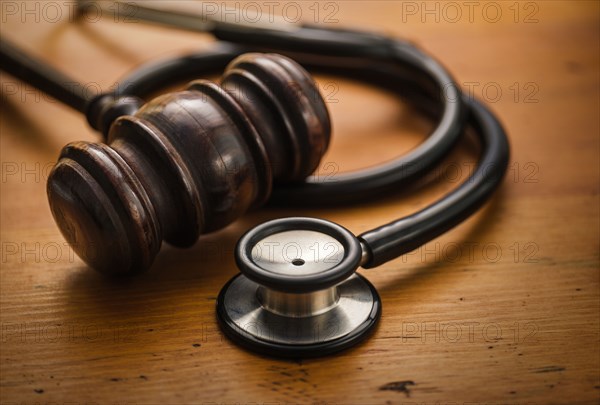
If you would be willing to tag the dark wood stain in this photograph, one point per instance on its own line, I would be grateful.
(549, 369)
(398, 386)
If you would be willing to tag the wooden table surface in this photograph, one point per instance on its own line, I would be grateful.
(502, 309)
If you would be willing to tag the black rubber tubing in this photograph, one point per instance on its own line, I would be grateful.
(42, 76)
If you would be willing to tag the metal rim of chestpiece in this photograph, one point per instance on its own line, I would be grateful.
(298, 294)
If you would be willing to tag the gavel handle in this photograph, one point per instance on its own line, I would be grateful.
(42, 76)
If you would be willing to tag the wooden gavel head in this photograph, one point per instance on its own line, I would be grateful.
(188, 163)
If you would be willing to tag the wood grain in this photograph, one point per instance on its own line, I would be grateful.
(503, 309)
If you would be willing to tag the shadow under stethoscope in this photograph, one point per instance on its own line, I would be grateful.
(421, 270)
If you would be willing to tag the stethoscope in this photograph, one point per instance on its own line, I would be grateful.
(298, 293)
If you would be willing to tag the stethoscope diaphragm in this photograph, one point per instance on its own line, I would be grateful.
(298, 294)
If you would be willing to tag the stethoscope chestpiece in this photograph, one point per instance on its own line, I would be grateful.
(299, 294)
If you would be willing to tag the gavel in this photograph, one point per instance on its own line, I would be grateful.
(186, 163)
